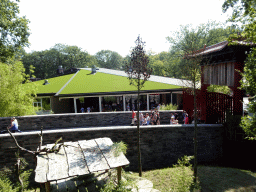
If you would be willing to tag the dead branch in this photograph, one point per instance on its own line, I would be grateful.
(17, 144)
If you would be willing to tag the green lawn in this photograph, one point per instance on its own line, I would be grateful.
(211, 179)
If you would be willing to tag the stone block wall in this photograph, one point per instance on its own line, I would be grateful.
(161, 145)
(75, 120)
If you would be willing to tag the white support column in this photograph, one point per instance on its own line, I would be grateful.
(75, 105)
(171, 98)
(147, 102)
(41, 104)
(100, 108)
(124, 107)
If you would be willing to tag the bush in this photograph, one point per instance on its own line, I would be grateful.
(9, 178)
(169, 107)
(183, 176)
(6, 185)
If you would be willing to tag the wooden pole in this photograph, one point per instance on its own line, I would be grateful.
(119, 172)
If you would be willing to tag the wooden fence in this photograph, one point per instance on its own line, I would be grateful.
(212, 107)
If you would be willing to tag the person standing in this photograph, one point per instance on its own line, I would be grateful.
(144, 120)
(158, 107)
(154, 118)
(88, 109)
(148, 119)
(158, 118)
(186, 119)
(128, 107)
(141, 118)
(133, 117)
(82, 110)
(172, 119)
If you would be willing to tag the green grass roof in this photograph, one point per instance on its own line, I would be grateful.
(85, 82)
(55, 84)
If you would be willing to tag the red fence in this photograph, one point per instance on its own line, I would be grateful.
(212, 107)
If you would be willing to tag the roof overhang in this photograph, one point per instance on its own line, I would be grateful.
(144, 92)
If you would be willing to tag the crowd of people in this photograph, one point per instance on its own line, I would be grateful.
(153, 118)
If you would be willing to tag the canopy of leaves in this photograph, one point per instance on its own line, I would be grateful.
(189, 39)
(244, 11)
(14, 31)
(138, 69)
(47, 62)
(15, 98)
(109, 59)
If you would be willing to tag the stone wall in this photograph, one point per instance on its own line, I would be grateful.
(161, 145)
(75, 120)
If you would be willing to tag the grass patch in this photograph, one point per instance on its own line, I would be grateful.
(166, 179)
(226, 179)
(211, 179)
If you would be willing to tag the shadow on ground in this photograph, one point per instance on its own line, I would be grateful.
(225, 179)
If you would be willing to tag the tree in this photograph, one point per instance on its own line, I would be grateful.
(158, 63)
(16, 98)
(138, 73)
(188, 44)
(46, 62)
(109, 59)
(14, 31)
(204, 34)
(244, 12)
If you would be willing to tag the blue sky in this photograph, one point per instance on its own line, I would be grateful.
(96, 25)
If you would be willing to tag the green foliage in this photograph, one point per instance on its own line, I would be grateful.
(183, 176)
(138, 70)
(111, 186)
(14, 31)
(158, 63)
(244, 12)
(188, 39)
(119, 147)
(47, 62)
(6, 185)
(16, 93)
(109, 59)
(46, 103)
(110, 99)
(219, 89)
(9, 179)
(169, 107)
(248, 124)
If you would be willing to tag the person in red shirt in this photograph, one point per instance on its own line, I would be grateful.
(186, 119)
(133, 117)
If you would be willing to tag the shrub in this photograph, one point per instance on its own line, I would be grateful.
(183, 176)
(169, 107)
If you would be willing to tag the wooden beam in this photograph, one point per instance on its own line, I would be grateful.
(119, 172)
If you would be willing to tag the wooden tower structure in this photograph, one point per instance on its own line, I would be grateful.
(222, 64)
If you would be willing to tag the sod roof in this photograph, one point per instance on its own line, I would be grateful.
(83, 82)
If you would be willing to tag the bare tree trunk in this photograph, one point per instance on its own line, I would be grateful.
(195, 135)
(138, 134)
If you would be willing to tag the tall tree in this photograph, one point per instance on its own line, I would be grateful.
(188, 43)
(14, 31)
(204, 34)
(46, 62)
(244, 12)
(138, 73)
(16, 98)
